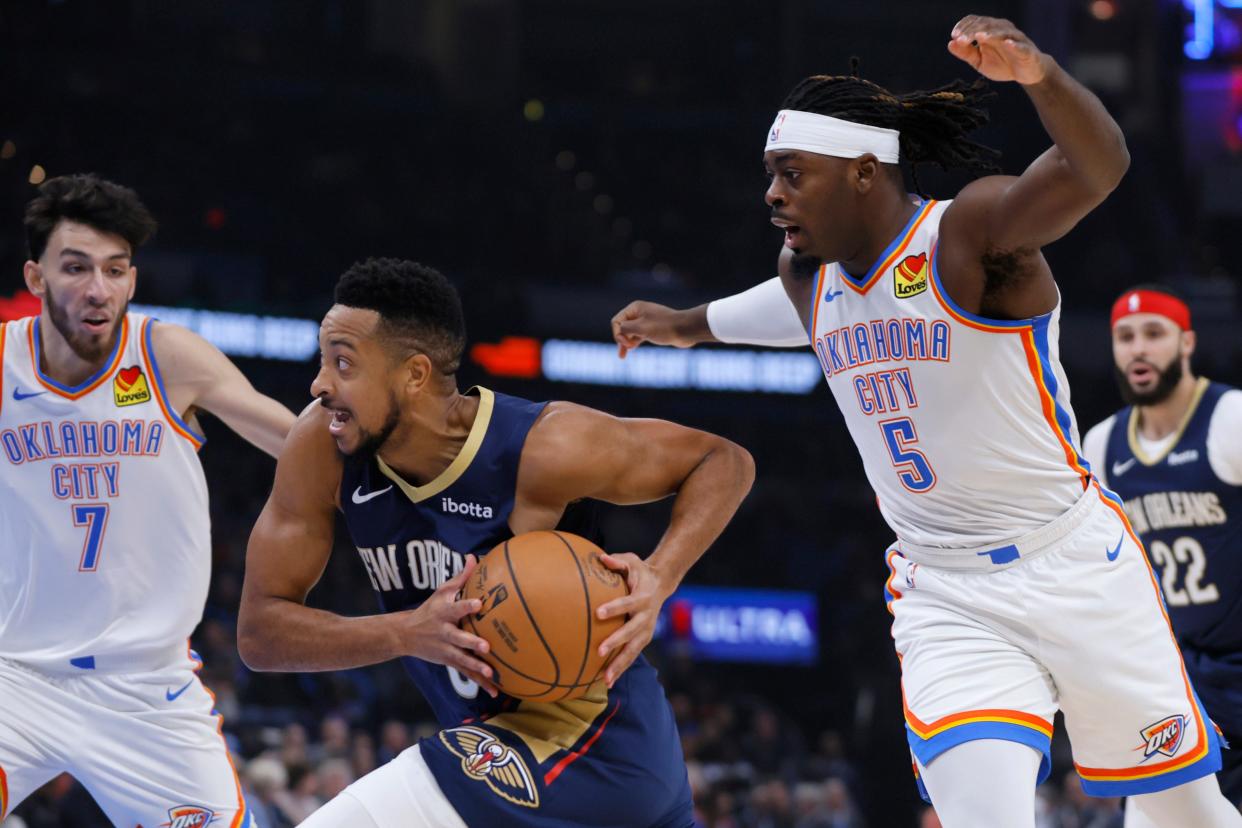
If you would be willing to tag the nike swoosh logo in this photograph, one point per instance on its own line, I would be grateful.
(1121, 468)
(171, 696)
(1116, 550)
(833, 294)
(19, 396)
(359, 497)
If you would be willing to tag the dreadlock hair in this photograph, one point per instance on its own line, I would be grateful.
(933, 124)
(419, 309)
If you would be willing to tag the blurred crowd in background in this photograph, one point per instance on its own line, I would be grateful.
(557, 160)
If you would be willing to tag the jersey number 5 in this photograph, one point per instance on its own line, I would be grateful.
(913, 470)
(94, 516)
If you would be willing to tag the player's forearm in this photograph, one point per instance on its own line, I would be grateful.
(279, 635)
(264, 422)
(706, 502)
(690, 325)
(1087, 138)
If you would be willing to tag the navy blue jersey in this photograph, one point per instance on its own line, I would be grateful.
(612, 758)
(1190, 521)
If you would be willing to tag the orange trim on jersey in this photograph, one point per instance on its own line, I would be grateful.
(1047, 404)
(154, 387)
(550, 776)
(4, 788)
(817, 298)
(926, 209)
(888, 584)
(194, 658)
(106, 374)
(1170, 765)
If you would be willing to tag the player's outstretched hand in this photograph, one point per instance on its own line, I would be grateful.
(640, 322)
(434, 636)
(998, 50)
(642, 605)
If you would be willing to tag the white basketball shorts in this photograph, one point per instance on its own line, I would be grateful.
(993, 641)
(147, 746)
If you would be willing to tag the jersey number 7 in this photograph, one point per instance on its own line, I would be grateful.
(94, 516)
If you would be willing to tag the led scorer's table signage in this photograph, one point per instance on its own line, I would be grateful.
(727, 624)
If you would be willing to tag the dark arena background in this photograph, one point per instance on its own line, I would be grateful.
(556, 160)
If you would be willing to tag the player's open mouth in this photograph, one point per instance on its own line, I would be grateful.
(339, 419)
(1140, 374)
(792, 232)
(96, 324)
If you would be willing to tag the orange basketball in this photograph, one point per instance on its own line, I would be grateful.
(540, 591)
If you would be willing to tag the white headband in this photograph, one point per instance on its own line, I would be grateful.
(825, 135)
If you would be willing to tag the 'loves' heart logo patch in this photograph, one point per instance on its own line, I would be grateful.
(910, 276)
(126, 377)
(129, 387)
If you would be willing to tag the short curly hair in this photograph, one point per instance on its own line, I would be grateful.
(419, 308)
(91, 200)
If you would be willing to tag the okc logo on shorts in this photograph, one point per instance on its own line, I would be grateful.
(486, 758)
(189, 816)
(1165, 736)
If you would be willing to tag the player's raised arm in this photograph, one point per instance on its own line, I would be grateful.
(289, 548)
(761, 315)
(1085, 163)
(575, 452)
(198, 375)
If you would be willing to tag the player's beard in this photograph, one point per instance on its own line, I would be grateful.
(1170, 376)
(88, 348)
(804, 266)
(370, 442)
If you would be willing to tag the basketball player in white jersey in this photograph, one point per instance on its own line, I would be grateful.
(1017, 586)
(103, 511)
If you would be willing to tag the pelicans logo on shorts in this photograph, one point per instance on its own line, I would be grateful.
(910, 276)
(1165, 736)
(130, 386)
(486, 758)
(189, 816)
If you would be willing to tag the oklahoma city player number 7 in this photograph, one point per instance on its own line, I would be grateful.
(104, 513)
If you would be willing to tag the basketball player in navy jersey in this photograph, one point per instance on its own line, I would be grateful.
(427, 478)
(936, 325)
(1174, 457)
(103, 512)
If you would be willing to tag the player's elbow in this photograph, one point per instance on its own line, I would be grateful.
(1107, 175)
(741, 464)
(253, 645)
(1121, 163)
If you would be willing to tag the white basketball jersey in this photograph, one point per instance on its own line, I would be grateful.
(103, 511)
(963, 423)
